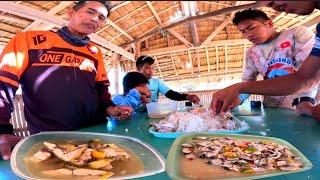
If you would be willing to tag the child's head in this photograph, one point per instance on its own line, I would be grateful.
(139, 81)
(255, 25)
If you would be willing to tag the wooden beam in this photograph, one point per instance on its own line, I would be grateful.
(228, 32)
(100, 40)
(62, 5)
(118, 29)
(312, 22)
(143, 39)
(181, 48)
(208, 60)
(198, 60)
(217, 3)
(194, 32)
(107, 25)
(114, 25)
(157, 62)
(216, 32)
(132, 27)
(3, 31)
(217, 59)
(128, 14)
(147, 45)
(34, 14)
(146, 38)
(194, 29)
(168, 41)
(237, 71)
(192, 24)
(217, 18)
(190, 60)
(226, 58)
(144, 35)
(14, 19)
(181, 38)
(174, 65)
(137, 49)
(155, 14)
(115, 60)
(293, 21)
(171, 31)
(274, 20)
(206, 15)
(222, 25)
(119, 4)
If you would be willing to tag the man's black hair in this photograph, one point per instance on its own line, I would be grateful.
(132, 80)
(81, 3)
(143, 60)
(249, 15)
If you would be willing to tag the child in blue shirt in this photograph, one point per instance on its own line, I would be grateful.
(136, 93)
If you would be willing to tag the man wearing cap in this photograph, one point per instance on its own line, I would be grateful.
(156, 86)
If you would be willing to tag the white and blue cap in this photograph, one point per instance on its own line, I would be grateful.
(144, 59)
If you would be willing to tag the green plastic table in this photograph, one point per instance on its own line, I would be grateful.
(302, 132)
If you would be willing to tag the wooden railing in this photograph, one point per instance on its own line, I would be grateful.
(20, 125)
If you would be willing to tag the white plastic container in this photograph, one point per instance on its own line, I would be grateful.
(161, 109)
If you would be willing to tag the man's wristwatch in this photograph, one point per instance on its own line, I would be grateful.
(296, 101)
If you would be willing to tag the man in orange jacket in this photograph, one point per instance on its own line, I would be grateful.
(64, 82)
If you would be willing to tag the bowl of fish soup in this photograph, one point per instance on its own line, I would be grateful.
(144, 160)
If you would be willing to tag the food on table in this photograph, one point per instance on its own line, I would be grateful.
(195, 120)
(241, 156)
(92, 159)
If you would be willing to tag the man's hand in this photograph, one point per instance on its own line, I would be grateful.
(235, 103)
(224, 99)
(120, 112)
(193, 98)
(7, 142)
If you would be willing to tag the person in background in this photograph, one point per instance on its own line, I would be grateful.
(64, 82)
(157, 86)
(136, 93)
(305, 78)
(275, 54)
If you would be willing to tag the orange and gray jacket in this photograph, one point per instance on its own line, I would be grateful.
(64, 85)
